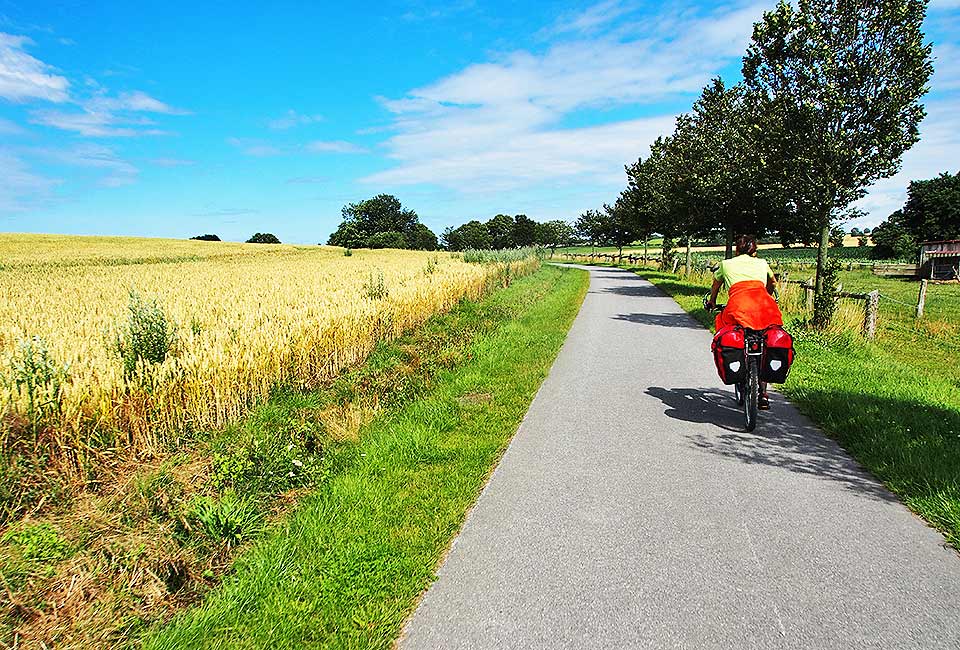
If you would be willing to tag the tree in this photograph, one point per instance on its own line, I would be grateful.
(618, 229)
(206, 238)
(421, 238)
(892, 239)
(639, 198)
(554, 234)
(500, 228)
(388, 239)
(837, 235)
(524, 230)
(590, 227)
(382, 214)
(471, 235)
(932, 210)
(263, 238)
(855, 232)
(348, 236)
(450, 239)
(840, 82)
(716, 168)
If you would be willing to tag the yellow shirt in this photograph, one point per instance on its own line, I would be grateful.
(741, 268)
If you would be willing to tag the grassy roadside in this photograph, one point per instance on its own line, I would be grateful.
(345, 569)
(893, 410)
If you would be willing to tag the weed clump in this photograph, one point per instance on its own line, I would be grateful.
(375, 287)
(34, 375)
(148, 337)
(230, 518)
(38, 543)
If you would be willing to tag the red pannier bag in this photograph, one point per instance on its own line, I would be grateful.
(777, 355)
(729, 353)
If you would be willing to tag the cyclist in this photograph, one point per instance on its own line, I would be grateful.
(750, 285)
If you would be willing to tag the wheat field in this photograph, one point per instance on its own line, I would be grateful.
(245, 319)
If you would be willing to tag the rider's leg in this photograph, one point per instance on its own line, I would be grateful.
(764, 400)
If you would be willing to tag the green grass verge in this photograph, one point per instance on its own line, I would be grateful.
(346, 567)
(894, 404)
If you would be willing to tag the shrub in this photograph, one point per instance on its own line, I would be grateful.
(347, 252)
(148, 336)
(263, 238)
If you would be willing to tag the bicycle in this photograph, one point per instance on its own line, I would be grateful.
(747, 390)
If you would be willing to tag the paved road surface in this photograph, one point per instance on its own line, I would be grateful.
(630, 511)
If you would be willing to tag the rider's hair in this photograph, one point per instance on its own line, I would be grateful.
(746, 245)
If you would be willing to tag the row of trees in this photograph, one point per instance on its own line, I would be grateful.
(256, 238)
(504, 231)
(383, 222)
(931, 213)
(830, 101)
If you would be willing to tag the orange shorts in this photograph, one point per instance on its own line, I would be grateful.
(750, 306)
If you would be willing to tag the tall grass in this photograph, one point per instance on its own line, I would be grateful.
(505, 256)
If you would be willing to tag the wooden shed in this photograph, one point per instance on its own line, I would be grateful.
(940, 260)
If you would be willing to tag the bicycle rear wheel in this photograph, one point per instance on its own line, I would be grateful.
(749, 392)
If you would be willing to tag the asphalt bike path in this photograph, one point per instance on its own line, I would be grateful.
(631, 511)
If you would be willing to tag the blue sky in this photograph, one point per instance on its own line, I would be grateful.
(174, 119)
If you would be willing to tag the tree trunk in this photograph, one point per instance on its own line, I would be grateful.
(686, 267)
(646, 239)
(822, 256)
(729, 252)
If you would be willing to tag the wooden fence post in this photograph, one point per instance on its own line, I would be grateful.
(808, 290)
(870, 317)
(676, 263)
(922, 298)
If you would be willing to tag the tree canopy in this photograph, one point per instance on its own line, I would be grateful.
(838, 83)
(263, 238)
(377, 222)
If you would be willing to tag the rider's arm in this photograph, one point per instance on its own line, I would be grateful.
(714, 291)
(771, 281)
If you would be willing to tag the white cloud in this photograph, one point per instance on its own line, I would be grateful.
(935, 153)
(10, 128)
(261, 148)
(136, 101)
(333, 146)
(20, 188)
(116, 171)
(291, 119)
(173, 162)
(527, 158)
(499, 123)
(23, 77)
(256, 148)
(590, 20)
(105, 116)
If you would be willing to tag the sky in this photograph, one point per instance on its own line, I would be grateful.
(176, 119)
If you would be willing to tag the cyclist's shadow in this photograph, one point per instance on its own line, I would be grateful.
(702, 405)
